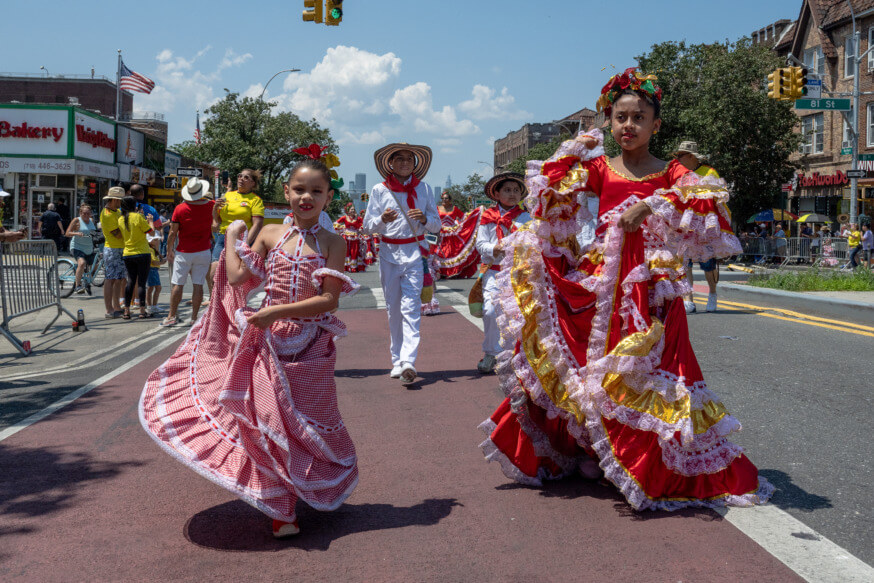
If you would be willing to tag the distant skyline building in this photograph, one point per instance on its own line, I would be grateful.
(448, 181)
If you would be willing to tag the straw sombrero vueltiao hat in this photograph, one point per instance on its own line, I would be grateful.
(491, 188)
(421, 153)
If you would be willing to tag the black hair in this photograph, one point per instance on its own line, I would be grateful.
(657, 106)
(501, 184)
(128, 206)
(316, 165)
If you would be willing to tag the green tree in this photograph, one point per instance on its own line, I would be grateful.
(463, 195)
(337, 206)
(715, 94)
(244, 132)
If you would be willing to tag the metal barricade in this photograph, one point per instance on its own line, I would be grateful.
(833, 253)
(798, 249)
(28, 283)
(753, 249)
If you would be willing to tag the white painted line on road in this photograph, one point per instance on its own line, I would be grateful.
(802, 549)
(70, 397)
(378, 296)
(459, 302)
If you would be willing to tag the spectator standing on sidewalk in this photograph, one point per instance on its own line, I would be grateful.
(687, 155)
(137, 258)
(113, 247)
(854, 245)
(64, 211)
(153, 282)
(82, 229)
(51, 227)
(779, 238)
(191, 226)
(867, 244)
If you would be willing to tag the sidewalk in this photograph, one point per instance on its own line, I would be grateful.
(428, 507)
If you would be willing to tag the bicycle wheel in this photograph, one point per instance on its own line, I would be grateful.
(65, 272)
(99, 274)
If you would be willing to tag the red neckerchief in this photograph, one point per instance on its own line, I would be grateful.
(493, 215)
(410, 188)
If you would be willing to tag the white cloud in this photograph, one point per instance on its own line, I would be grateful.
(366, 138)
(484, 104)
(232, 59)
(415, 104)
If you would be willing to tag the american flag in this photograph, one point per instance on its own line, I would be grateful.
(133, 81)
(197, 130)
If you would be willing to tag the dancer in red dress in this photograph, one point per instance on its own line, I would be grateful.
(598, 369)
(248, 400)
(455, 253)
(368, 247)
(349, 226)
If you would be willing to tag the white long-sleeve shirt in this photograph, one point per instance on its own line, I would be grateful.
(487, 236)
(381, 199)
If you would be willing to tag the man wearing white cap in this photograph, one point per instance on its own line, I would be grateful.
(401, 210)
(191, 226)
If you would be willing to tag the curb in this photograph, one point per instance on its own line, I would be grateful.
(825, 307)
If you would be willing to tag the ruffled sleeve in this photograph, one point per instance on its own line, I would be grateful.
(350, 287)
(692, 217)
(553, 185)
(253, 262)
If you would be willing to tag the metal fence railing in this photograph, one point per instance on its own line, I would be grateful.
(28, 283)
(825, 252)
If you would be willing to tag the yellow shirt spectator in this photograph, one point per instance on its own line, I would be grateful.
(854, 239)
(705, 170)
(135, 242)
(240, 207)
(109, 223)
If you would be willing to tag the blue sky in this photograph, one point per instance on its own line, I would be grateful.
(451, 74)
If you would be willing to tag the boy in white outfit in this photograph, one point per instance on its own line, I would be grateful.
(401, 209)
(507, 190)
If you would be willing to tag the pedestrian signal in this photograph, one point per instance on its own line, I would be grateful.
(334, 12)
(91, 187)
(314, 15)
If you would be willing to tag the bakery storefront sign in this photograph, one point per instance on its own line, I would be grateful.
(33, 131)
(94, 139)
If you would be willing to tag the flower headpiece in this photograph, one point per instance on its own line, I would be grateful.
(317, 152)
(630, 79)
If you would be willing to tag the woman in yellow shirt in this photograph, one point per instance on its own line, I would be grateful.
(241, 204)
(137, 258)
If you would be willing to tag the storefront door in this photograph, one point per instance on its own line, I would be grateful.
(40, 199)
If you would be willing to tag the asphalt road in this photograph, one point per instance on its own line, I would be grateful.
(802, 393)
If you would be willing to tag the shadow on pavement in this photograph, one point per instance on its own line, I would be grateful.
(237, 527)
(35, 482)
(790, 496)
(361, 373)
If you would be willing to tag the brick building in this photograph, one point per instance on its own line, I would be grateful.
(96, 94)
(518, 143)
(820, 38)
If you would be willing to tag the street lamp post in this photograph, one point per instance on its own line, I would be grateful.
(261, 97)
(487, 164)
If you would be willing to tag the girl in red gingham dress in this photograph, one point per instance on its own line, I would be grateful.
(248, 400)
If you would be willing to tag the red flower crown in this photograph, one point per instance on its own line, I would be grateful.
(630, 79)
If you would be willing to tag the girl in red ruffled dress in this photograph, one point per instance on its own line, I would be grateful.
(598, 370)
(349, 226)
(248, 400)
(455, 253)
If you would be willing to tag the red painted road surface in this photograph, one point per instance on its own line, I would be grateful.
(85, 495)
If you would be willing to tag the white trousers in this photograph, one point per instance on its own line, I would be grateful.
(402, 288)
(491, 311)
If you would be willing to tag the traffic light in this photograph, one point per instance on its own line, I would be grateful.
(314, 15)
(774, 88)
(802, 80)
(795, 87)
(334, 12)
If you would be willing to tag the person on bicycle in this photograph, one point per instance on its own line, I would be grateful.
(82, 229)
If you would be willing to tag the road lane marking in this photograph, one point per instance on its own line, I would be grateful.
(804, 321)
(799, 315)
(378, 296)
(459, 302)
(70, 397)
(796, 545)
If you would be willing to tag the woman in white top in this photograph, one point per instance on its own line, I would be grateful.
(82, 230)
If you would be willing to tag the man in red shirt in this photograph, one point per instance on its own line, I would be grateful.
(192, 226)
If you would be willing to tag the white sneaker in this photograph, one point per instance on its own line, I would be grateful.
(711, 302)
(396, 372)
(408, 374)
(690, 306)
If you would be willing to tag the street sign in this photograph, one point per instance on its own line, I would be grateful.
(813, 89)
(846, 151)
(823, 104)
(198, 172)
(856, 173)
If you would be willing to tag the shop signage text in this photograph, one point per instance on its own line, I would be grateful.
(7, 130)
(97, 139)
(817, 179)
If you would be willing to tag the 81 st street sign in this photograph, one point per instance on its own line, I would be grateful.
(823, 104)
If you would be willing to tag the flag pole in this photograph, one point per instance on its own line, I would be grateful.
(118, 88)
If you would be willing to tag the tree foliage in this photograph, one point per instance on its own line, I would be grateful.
(463, 195)
(715, 95)
(244, 132)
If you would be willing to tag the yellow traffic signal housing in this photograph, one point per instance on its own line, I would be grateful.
(792, 89)
(775, 84)
(314, 15)
(333, 12)
(802, 81)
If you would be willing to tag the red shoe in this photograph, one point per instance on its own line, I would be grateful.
(283, 529)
